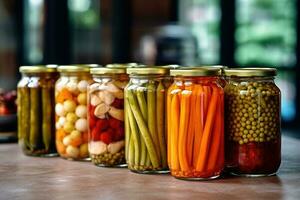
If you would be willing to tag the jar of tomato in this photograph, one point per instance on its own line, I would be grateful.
(71, 111)
(36, 117)
(195, 124)
(106, 116)
(253, 132)
(146, 150)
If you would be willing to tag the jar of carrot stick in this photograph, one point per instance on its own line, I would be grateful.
(252, 118)
(196, 124)
(71, 111)
(146, 150)
(106, 116)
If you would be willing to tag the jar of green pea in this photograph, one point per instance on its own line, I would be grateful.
(252, 122)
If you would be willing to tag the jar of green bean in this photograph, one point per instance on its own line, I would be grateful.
(36, 117)
(145, 135)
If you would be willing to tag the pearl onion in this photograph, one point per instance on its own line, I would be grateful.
(71, 117)
(75, 134)
(67, 140)
(69, 106)
(72, 86)
(59, 110)
(57, 125)
(82, 85)
(81, 111)
(61, 121)
(73, 152)
(82, 99)
(81, 125)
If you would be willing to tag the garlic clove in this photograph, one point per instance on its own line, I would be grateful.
(107, 97)
(98, 147)
(116, 113)
(101, 109)
(95, 100)
(115, 147)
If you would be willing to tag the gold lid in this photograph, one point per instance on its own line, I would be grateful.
(147, 70)
(248, 72)
(38, 69)
(196, 71)
(173, 66)
(122, 65)
(76, 68)
(105, 70)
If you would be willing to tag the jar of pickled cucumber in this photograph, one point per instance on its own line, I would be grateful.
(196, 124)
(71, 111)
(145, 138)
(252, 118)
(106, 116)
(36, 118)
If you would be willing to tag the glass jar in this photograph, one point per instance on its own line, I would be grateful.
(106, 116)
(71, 112)
(146, 150)
(196, 124)
(36, 118)
(253, 131)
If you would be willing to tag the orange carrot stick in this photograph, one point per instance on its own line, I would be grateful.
(175, 113)
(183, 127)
(198, 121)
(168, 125)
(191, 125)
(217, 135)
(204, 148)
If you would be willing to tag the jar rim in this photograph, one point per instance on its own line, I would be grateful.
(196, 71)
(77, 67)
(38, 69)
(251, 71)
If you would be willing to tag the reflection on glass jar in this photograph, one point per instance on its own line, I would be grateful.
(253, 134)
(196, 124)
(36, 119)
(71, 112)
(106, 116)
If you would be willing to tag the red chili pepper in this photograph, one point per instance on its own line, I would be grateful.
(114, 123)
(118, 103)
(101, 125)
(106, 137)
(95, 135)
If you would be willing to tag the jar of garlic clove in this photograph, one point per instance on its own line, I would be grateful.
(106, 116)
(71, 111)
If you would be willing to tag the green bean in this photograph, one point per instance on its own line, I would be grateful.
(34, 118)
(25, 115)
(47, 117)
(151, 100)
(143, 107)
(127, 130)
(134, 134)
(143, 128)
(20, 110)
(160, 111)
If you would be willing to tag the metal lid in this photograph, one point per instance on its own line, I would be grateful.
(196, 71)
(38, 69)
(147, 70)
(248, 72)
(77, 68)
(122, 65)
(106, 70)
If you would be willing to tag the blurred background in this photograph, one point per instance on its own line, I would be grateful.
(255, 33)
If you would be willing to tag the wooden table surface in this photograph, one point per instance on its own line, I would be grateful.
(23, 177)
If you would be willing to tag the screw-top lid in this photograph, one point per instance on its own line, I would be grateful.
(77, 68)
(196, 71)
(38, 69)
(248, 72)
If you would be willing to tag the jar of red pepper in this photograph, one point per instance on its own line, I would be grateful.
(106, 116)
(252, 119)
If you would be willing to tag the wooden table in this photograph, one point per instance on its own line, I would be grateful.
(23, 177)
